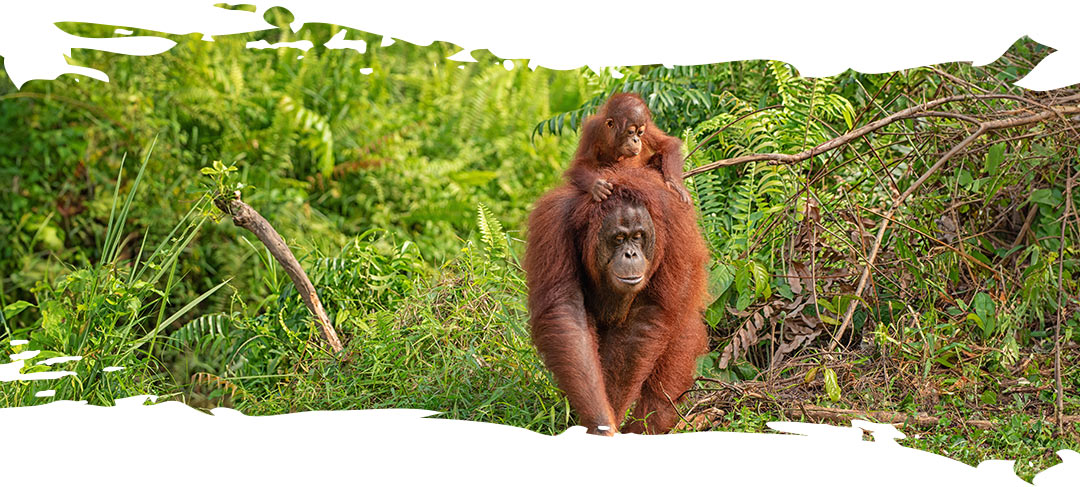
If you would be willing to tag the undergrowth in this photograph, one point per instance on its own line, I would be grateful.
(404, 192)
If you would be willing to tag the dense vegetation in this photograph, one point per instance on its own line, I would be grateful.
(404, 194)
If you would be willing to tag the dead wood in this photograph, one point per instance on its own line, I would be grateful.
(1034, 112)
(244, 216)
(922, 420)
(918, 111)
(1058, 405)
(846, 415)
(983, 128)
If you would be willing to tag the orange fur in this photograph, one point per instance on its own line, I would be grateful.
(648, 354)
(596, 149)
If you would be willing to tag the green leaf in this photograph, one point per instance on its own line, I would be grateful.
(745, 371)
(1046, 196)
(831, 387)
(979, 256)
(985, 312)
(784, 289)
(994, 157)
(761, 279)
(742, 279)
(175, 316)
(473, 178)
(720, 279)
(964, 178)
(744, 299)
(15, 308)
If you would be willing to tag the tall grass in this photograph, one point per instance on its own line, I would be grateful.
(110, 314)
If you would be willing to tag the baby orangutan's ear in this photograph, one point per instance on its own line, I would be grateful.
(610, 123)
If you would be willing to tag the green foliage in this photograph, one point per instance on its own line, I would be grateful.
(677, 96)
(109, 314)
(409, 149)
(373, 177)
(455, 343)
(1029, 441)
(316, 130)
(491, 233)
(404, 192)
(220, 184)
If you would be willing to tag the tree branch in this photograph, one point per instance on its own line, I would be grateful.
(983, 128)
(244, 216)
(918, 111)
(1058, 406)
(921, 420)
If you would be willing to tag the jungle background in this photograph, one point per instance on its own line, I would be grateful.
(404, 192)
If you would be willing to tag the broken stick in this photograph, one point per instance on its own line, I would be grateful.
(244, 216)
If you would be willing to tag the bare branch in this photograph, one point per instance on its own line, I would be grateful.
(918, 111)
(896, 418)
(1058, 406)
(244, 216)
(983, 128)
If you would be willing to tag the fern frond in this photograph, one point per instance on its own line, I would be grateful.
(491, 232)
(320, 137)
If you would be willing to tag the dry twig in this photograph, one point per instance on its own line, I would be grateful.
(917, 111)
(922, 420)
(982, 129)
(1041, 113)
(1058, 406)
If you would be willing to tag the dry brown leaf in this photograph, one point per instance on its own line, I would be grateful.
(796, 271)
(745, 337)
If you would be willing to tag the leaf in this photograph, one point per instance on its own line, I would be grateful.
(720, 279)
(964, 178)
(831, 387)
(761, 279)
(175, 316)
(706, 364)
(15, 308)
(742, 280)
(979, 256)
(341, 317)
(1046, 196)
(784, 289)
(745, 371)
(994, 157)
(491, 232)
(984, 304)
(473, 178)
(985, 312)
(795, 273)
(744, 299)
(745, 337)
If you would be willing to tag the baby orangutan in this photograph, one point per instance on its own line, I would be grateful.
(621, 135)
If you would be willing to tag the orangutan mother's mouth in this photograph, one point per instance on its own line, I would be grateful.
(630, 280)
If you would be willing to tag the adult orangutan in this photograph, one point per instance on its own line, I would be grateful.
(622, 134)
(616, 296)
